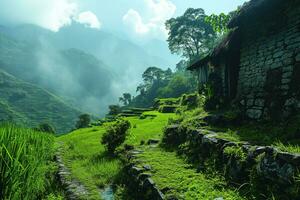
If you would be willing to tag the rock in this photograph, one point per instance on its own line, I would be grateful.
(216, 120)
(143, 176)
(152, 141)
(158, 195)
(147, 167)
(136, 170)
(219, 198)
(149, 182)
(289, 157)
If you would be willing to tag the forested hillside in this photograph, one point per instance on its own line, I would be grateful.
(30, 105)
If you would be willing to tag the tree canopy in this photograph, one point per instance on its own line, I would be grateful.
(190, 35)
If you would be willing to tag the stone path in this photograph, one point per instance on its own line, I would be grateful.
(74, 189)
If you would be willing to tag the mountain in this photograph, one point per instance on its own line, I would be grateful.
(71, 73)
(118, 53)
(29, 105)
(90, 68)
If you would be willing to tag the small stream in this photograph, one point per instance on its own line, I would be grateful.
(107, 193)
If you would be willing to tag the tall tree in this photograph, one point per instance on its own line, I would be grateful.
(126, 99)
(190, 35)
(83, 121)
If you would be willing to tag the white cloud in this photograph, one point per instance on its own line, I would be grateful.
(160, 11)
(89, 19)
(49, 14)
(132, 17)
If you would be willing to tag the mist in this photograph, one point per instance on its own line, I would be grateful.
(88, 68)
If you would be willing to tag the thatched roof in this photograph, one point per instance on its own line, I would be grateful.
(199, 63)
(256, 9)
(230, 41)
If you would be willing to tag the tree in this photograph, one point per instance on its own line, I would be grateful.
(178, 85)
(114, 109)
(45, 127)
(190, 35)
(219, 22)
(181, 66)
(83, 121)
(152, 75)
(126, 99)
(115, 135)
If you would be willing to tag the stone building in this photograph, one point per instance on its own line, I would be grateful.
(264, 60)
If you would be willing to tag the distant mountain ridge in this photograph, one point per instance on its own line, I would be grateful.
(71, 73)
(27, 104)
(87, 68)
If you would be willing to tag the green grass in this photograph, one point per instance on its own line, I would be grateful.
(236, 152)
(85, 156)
(149, 128)
(172, 174)
(284, 135)
(287, 147)
(25, 163)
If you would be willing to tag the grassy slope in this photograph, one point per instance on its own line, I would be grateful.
(180, 180)
(84, 154)
(86, 158)
(284, 136)
(30, 105)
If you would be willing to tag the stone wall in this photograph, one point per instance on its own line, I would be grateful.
(270, 60)
(265, 167)
(74, 190)
(139, 179)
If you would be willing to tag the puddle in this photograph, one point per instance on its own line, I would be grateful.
(107, 193)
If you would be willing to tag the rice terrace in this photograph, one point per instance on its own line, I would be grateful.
(149, 100)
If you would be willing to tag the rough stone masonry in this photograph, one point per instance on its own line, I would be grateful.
(269, 76)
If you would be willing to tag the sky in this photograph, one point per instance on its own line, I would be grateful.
(142, 19)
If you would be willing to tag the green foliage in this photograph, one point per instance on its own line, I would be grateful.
(114, 109)
(218, 22)
(25, 163)
(45, 127)
(177, 86)
(29, 105)
(190, 35)
(287, 147)
(213, 92)
(235, 151)
(163, 84)
(87, 160)
(115, 134)
(181, 181)
(126, 99)
(166, 102)
(167, 108)
(83, 121)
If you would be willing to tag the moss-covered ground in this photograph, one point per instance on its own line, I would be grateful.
(179, 179)
(283, 135)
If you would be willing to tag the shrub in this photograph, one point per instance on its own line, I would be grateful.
(83, 121)
(115, 134)
(114, 109)
(45, 127)
(167, 109)
(236, 152)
